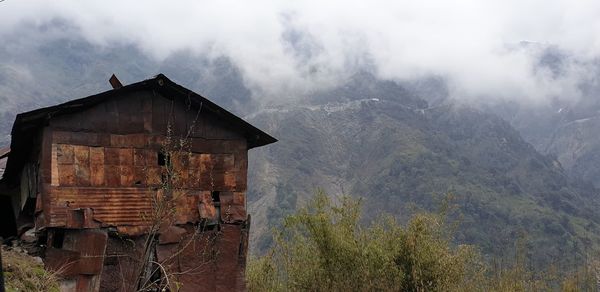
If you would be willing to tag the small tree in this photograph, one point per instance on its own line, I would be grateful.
(323, 248)
(151, 273)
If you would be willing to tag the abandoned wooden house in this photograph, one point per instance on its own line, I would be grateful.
(133, 185)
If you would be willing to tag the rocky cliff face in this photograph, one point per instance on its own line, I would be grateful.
(576, 145)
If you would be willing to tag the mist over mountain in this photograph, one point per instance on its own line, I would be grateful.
(565, 126)
(510, 128)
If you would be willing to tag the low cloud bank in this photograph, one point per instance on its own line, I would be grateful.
(530, 51)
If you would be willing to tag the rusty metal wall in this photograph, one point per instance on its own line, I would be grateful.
(100, 169)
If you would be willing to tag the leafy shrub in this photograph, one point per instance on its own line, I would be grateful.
(322, 247)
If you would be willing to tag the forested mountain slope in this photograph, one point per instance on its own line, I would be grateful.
(401, 156)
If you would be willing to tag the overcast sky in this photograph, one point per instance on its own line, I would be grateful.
(292, 45)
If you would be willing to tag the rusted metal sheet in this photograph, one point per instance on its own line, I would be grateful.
(65, 154)
(171, 234)
(86, 283)
(79, 258)
(197, 269)
(230, 273)
(115, 207)
(82, 218)
(206, 207)
(96, 166)
(233, 213)
(91, 245)
(209, 260)
(133, 230)
(63, 262)
(186, 207)
(66, 175)
(82, 165)
(111, 156)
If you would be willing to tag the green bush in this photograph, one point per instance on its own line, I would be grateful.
(324, 248)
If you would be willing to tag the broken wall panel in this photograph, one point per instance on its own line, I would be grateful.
(77, 256)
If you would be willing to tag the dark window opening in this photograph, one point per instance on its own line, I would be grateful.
(78, 218)
(138, 182)
(215, 197)
(58, 238)
(217, 203)
(8, 223)
(42, 238)
(163, 159)
(208, 226)
(28, 210)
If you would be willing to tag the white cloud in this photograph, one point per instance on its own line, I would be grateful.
(283, 46)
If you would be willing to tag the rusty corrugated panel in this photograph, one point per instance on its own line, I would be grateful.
(91, 245)
(111, 206)
(63, 262)
(81, 218)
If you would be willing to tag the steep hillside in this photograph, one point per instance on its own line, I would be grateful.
(577, 146)
(565, 130)
(565, 126)
(401, 158)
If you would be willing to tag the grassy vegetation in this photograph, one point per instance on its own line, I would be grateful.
(322, 247)
(23, 273)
